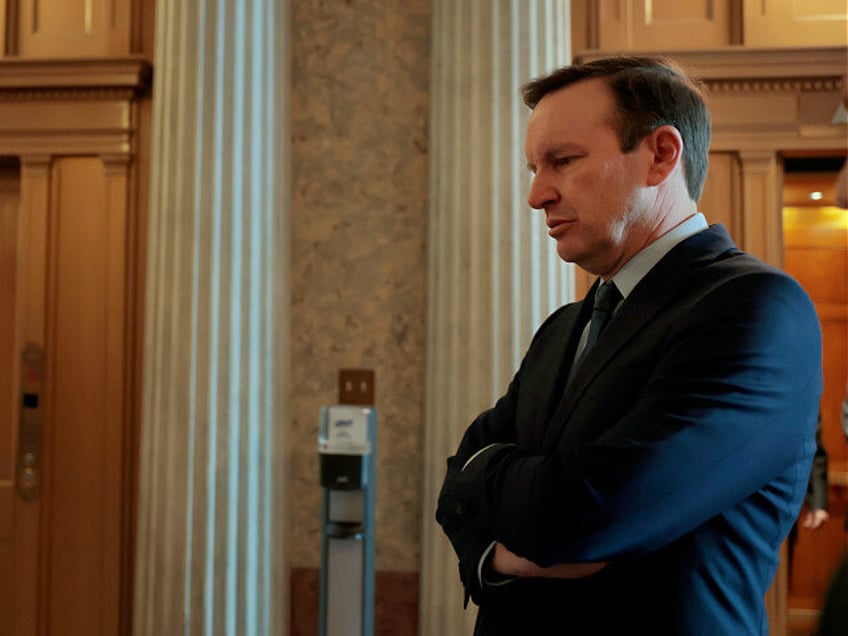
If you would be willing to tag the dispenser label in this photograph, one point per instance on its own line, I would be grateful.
(346, 431)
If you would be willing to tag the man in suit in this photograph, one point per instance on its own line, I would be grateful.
(638, 477)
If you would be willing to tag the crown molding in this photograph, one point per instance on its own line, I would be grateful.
(738, 68)
(35, 100)
(766, 99)
(89, 78)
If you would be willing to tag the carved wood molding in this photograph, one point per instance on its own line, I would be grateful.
(65, 94)
(773, 100)
(36, 165)
(768, 70)
(800, 85)
(35, 79)
(82, 106)
(739, 68)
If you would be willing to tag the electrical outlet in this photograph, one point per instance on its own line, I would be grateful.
(356, 386)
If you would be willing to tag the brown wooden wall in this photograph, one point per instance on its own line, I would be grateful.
(816, 254)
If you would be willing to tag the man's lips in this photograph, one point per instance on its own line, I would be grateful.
(557, 226)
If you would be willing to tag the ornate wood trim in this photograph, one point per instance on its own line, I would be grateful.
(794, 89)
(820, 68)
(125, 75)
(84, 106)
(797, 85)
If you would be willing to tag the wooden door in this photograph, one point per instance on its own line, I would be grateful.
(816, 254)
(63, 275)
(9, 213)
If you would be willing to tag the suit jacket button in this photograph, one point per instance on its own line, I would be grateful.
(459, 509)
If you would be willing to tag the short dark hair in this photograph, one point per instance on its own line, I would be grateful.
(649, 92)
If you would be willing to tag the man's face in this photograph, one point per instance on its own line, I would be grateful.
(594, 196)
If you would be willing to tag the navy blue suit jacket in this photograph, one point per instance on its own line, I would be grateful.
(679, 453)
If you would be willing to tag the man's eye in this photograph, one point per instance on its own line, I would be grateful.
(561, 162)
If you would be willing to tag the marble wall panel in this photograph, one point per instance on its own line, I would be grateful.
(359, 155)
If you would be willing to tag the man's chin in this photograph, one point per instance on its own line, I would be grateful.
(568, 253)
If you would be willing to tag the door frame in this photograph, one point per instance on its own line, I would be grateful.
(87, 108)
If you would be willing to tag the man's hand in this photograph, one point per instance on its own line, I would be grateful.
(815, 519)
(510, 564)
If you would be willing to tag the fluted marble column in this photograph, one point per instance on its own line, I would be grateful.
(211, 541)
(494, 275)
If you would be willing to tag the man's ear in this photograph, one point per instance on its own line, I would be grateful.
(666, 146)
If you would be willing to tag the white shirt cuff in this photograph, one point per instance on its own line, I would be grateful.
(480, 570)
(474, 456)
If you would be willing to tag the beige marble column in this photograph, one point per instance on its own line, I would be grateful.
(494, 275)
(210, 554)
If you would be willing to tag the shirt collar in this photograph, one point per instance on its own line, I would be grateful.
(635, 269)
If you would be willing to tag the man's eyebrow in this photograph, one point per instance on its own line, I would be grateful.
(557, 150)
(551, 153)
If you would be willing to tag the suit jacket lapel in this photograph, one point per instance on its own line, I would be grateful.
(547, 388)
(638, 310)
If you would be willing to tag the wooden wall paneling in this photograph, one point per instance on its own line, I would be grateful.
(742, 111)
(9, 205)
(623, 25)
(614, 22)
(120, 423)
(36, 125)
(3, 9)
(74, 28)
(124, 380)
(802, 23)
(143, 28)
(816, 254)
(10, 30)
(9, 212)
(777, 595)
(70, 107)
(122, 78)
(30, 564)
(584, 29)
(815, 241)
(662, 25)
(695, 24)
(834, 321)
(721, 200)
(761, 226)
(769, 100)
(86, 360)
(76, 123)
(138, 188)
(582, 282)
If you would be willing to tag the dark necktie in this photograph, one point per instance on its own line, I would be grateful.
(606, 300)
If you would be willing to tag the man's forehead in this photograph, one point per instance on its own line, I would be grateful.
(591, 98)
(559, 127)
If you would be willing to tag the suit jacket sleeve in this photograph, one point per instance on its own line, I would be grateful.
(493, 429)
(729, 401)
(498, 424)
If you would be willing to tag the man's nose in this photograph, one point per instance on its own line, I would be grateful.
(541, 192)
